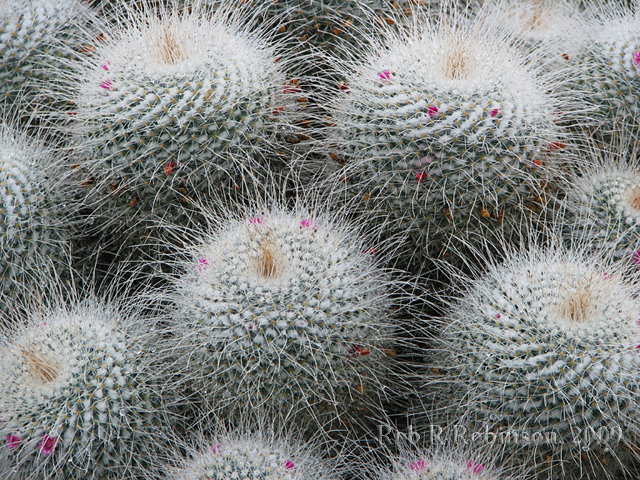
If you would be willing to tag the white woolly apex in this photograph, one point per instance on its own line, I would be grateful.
(458, 55)
(559, 290)
(542, 21)
(277, 246)
(250, 456)
(168, 46)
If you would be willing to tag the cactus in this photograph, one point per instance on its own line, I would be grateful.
(448, 133)
(440, 465)
(174, 106)
(284, 310)
(603, 207)
(36, 38)
(546, 346)
(252, 456)
(609, 68)
(32, 212)
(79, 399)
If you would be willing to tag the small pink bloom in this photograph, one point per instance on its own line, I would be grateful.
(308, 223)
(419, 465)
(636, 59)
(421, 176)
(432, 111)
(636, 257)
(474, 467)
(494, 113)
(216, 449)
(606, 276)
(637, 322)
(498, 316)
(48, 444)
(203, 264)
(13, 441)
(107, 84)
(43, 324)
(385, 75)
(256, 220)
(289, 465)
(105, 66)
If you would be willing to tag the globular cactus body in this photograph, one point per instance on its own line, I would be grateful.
(176, 107)
(32, 210)
(252, 456)
(546, 346)
(286, 311)
(447, 133)
(78, 398)
(36, 38)
(603, 209)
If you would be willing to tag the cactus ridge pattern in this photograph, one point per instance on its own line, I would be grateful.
(547, 344)
(78, 399)
(447, 133)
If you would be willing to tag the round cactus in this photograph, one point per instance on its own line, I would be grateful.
(79, 399)
(286, 311)
(546, 346)
(37, 37)
(441, 465)
(609, 68)
(447, 133)
(175, 106)
(32, 208)
(252, 457)
(603, 207)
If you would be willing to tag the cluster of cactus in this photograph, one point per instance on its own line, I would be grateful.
(79, 397)
(284, 310)
(210, 132)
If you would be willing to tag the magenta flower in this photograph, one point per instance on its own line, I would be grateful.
(105, 66)
(494, 113)
(419, 465)
(256, 220)
(48, 444)
(636, 58)
(308, 223)
(13, 441)
(216, 449)
(636, 257)
(385, 76)
(474, 467)
(432, 111)
(107, 84)
(203, 264)
(289, 465)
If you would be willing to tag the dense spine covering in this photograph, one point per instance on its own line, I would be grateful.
(546, 347)
(78, 398)
(32, 209)
(603, 209)
(287, 311)
(252, 456)
(447, 133)
(176, 105)
(609, 68)
(37, 37)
